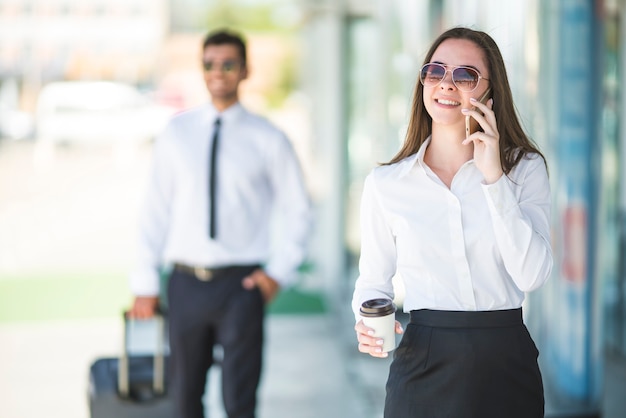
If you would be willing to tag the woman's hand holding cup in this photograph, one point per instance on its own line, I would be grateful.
(376, 332)
(370, 344)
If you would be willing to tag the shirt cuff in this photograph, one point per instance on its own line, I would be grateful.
(285, 275)
(145, 283)
(500, 196)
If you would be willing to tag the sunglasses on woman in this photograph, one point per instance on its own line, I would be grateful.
(464, 78)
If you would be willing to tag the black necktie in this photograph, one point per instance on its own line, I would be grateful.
(213, 179)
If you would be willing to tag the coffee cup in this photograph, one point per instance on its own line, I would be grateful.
(380, 315)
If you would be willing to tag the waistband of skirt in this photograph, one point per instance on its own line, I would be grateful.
(467, 319)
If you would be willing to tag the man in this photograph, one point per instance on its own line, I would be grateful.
(224, 267)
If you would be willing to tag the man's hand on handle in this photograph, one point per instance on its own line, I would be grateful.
(144, 307)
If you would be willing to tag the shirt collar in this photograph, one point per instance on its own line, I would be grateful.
(414, 159)
(228, 115)
(418, 159)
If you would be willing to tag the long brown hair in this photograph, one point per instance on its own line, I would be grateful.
(514, 144)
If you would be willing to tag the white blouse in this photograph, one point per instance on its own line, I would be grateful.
(472, 247)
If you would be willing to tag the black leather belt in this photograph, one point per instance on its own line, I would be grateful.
(207, 274)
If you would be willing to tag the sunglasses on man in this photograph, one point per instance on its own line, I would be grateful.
(228, 66)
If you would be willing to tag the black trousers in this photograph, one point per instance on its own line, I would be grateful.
(202, 314)
(465, 364)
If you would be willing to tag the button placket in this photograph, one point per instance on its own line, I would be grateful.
(459, 257)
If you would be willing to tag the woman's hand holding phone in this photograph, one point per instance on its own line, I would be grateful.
(486, 142)
(471, 125)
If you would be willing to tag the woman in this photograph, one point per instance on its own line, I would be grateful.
(461, 216)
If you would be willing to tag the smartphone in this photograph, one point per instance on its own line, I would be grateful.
(471, 125)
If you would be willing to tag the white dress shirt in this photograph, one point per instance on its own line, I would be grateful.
(259, 177)
(472, 247)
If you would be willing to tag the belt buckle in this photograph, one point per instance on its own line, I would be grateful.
(203, 274)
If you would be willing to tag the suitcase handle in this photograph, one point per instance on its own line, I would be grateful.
(158, 381)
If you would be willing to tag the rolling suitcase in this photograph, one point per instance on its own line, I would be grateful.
(131, 386)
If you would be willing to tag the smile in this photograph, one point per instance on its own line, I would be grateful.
(448, 102)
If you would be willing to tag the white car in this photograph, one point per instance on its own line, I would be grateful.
(97, 112)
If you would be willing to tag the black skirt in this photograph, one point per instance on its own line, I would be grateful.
(465, 364)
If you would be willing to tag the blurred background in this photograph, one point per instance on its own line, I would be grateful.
(86, 84)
